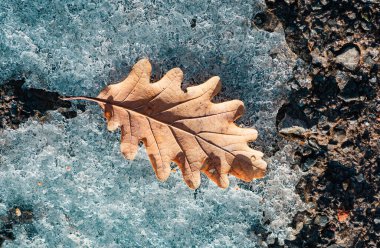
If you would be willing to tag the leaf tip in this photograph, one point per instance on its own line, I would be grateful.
(143, 65)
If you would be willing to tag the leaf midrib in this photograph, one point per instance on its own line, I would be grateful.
(117, 104)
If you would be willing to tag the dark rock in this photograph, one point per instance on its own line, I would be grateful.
(325, 88)
(193, 22)
(16, 216)
(69, 114)
(265, 20)
(17, 103)
(291, 115)
(332, 114)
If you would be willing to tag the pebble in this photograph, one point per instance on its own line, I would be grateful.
(349, 58)
(321, 220)
(295, 130)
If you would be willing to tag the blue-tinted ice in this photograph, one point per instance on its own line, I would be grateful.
(70, 171)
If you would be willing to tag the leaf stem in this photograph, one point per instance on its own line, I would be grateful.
(92, 99)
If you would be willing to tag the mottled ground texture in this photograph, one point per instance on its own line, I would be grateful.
(308, 72)
(333, 112)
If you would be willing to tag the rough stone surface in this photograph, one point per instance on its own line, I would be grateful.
(336, 100)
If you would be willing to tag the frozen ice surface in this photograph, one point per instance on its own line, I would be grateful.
(77, 47)
(83, 193)
(70, 171)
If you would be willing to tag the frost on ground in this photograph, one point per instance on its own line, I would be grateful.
(70, 171)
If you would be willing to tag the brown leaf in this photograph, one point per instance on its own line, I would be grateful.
(184, 127)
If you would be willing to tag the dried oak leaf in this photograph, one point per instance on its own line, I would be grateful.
(184, 127)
